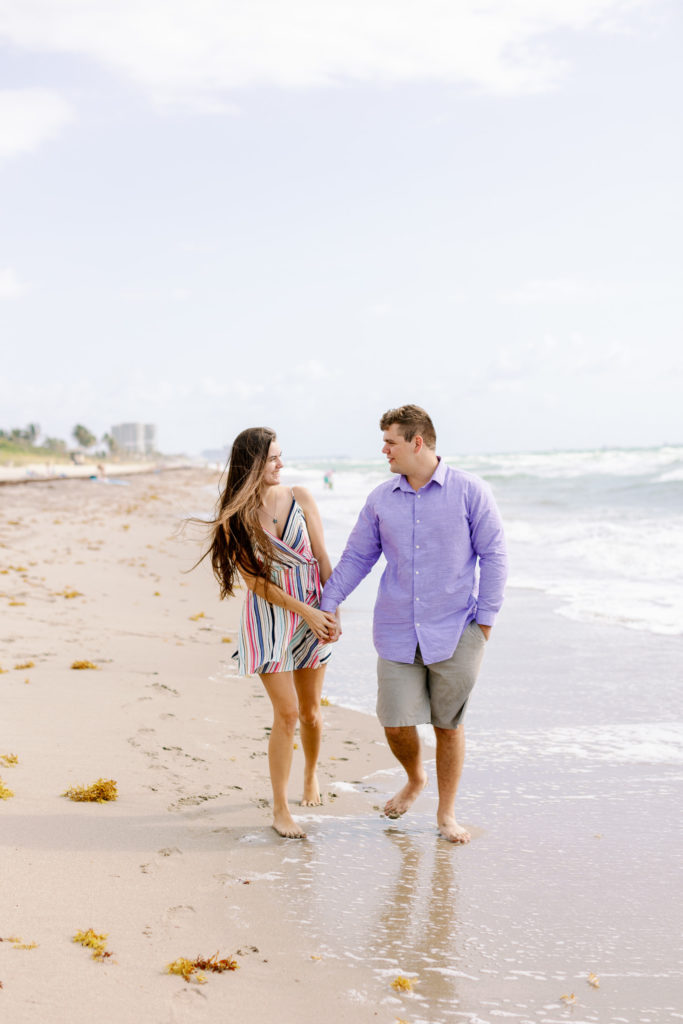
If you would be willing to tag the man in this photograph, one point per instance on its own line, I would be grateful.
(435, 525)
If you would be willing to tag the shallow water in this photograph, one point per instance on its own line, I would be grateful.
(571, 788)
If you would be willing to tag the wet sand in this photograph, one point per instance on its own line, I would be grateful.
(573, 769)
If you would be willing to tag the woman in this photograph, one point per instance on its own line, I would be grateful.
(272, 536)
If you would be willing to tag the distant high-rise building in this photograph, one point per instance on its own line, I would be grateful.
(135, 438)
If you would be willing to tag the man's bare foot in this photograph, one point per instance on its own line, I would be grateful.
(311, 797)
(405, 798)
(454, 833)
(286, 827)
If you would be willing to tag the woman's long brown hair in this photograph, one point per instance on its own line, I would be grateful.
(238, 541)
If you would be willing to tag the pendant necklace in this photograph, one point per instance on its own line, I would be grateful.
(273, 518)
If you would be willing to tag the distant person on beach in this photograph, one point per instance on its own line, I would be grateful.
(272, 536)
(435, 525)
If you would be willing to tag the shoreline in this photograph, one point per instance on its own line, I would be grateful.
(564, 740)
(42, 472)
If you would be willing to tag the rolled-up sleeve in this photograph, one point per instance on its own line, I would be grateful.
(488, 542)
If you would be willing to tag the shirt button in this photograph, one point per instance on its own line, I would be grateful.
(417, 572)
(418, 495)
(418, 520)
(417, 545)
(417, 598)
(417, 624)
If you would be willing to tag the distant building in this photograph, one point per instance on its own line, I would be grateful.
(135, 438)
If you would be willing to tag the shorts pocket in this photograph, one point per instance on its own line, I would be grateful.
(480, 633)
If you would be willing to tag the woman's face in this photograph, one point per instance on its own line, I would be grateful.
(271, 471)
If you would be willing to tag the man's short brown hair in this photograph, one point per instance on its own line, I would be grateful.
(412, 421)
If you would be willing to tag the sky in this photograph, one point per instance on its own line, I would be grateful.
(231, 213)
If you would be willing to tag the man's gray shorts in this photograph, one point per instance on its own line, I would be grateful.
(420, 694)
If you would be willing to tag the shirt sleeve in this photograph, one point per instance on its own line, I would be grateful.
(362, 550)
(488, 541)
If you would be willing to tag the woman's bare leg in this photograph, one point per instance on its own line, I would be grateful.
(309, 688)
(280, 688)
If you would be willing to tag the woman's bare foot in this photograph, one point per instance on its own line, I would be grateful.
(286, 827)
(311, 797)
(454, 833)
(405, 798)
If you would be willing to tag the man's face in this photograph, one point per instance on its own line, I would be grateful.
(399, 452)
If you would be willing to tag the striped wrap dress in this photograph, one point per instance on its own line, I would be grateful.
(272, 639)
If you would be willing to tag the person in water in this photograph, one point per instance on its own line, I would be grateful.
(272, 536)
(439, 529)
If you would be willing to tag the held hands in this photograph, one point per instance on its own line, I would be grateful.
(336, 630)
(323, 625)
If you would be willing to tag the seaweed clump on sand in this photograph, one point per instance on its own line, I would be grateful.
(9, 759)
(83, 664)
(189, 969)
(92, 940)
(97, 793)
(5, 792)
(402, 984)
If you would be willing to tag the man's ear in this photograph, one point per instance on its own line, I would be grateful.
(418, 441)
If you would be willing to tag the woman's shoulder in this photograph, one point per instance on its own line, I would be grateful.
(303, 497)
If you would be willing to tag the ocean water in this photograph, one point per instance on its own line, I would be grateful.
(575, 760)
(600, 531)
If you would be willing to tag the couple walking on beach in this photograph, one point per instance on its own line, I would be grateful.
(441, 534)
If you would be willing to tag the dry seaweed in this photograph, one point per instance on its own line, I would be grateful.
(9, 759)
(189, 969)
(325, 702)
(98, 792)
(402, 984)
(227, 640)
(593, 980)
(25, 664)
(568, 1000)
(197, 617)
(5, 793)
(93, 940)
(83, 664)
(70, 593)
(18, 943)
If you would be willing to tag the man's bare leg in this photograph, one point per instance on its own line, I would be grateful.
(450, 757)
(404, 742)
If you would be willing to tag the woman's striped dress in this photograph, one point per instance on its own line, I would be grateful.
(272, 639)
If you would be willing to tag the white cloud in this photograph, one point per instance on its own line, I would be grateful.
(10, 285)
(536, 292)
(29, 117)
(196, 53)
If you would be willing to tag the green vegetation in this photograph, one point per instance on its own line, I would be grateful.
(84, 438)
(21, 446)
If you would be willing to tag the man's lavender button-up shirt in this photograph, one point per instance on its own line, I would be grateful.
(432, 540)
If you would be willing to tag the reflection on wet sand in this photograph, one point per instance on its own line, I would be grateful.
(385, 897)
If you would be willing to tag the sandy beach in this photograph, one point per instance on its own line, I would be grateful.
(560, 909)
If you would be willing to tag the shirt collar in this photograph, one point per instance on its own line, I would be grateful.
(437, 477)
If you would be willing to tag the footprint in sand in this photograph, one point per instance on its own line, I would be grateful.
(187, 1003)
(177, 916)
(150, 867)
